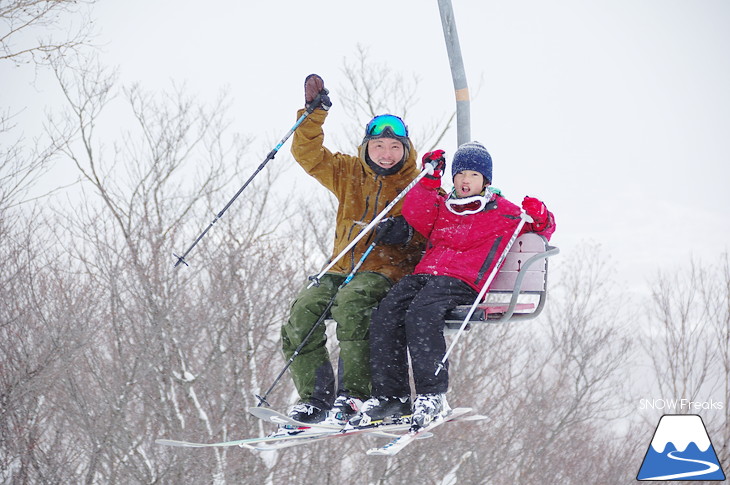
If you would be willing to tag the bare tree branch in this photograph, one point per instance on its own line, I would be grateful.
(28, 28)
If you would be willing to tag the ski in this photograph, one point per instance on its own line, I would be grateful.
(293, 430)
(404, 440)
(380, 430)
(284, 438)
(281, 419)
(288, 435)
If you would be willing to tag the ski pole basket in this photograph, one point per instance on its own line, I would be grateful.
(519, 289)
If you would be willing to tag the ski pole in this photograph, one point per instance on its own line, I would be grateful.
(428, 170)
(316, 102)
(523, 219)
(322, 318)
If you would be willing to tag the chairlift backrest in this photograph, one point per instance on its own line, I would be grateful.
(524, 272)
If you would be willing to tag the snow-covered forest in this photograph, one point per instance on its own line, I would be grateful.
(106, 346)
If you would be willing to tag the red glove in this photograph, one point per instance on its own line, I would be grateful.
(437, 156)
(537, 210)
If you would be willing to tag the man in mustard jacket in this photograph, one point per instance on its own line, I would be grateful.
(363, 185)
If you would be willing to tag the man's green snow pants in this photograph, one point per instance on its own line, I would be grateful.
(312, 370)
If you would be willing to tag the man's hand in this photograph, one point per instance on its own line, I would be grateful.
(315, 94)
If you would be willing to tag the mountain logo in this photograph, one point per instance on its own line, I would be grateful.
(681, 450)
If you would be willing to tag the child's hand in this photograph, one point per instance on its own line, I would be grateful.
(437, 156)
(537, 210)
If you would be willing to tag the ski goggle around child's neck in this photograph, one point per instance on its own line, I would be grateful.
(469, 205)
(383, 123)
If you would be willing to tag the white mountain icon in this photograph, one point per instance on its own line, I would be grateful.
(680, 429)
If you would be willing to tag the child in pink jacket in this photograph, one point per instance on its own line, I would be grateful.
(467, 231)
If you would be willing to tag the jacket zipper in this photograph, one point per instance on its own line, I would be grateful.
(488, 260)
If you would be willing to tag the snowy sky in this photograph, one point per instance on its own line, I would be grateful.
(615, 112)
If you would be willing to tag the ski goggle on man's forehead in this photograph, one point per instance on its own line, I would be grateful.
(383, 123)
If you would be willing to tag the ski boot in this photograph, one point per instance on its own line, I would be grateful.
(427, 408)
(381, 409)
(344, 408)
(307, 413)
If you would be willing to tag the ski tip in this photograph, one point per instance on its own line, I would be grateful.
(390, 449)
(377, 452)
(257, 410)
(279, 421)
(474, 417)
(185, 444)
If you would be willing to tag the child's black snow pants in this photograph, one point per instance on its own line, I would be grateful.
(411, 319)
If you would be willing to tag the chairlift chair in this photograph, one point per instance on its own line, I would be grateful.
(519, 289)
